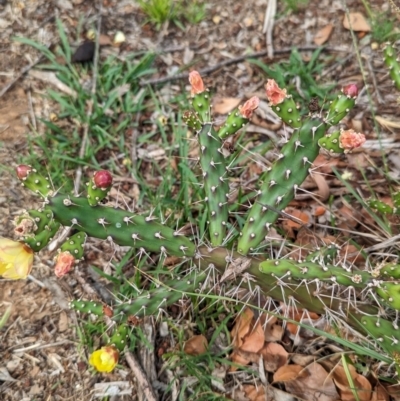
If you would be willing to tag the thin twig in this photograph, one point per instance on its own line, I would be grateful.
(141, 378)
(209, 70)
(78, 174)
(269, 26)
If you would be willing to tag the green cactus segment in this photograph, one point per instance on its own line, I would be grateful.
(74, 245)
(380, 206)
(396, 201)
(288, 112)
(37, 183)
(42, 238)
(90, 307)
(201, 104)
(391, 61)
(330, 143)
(156, 300)
(120, 226)
(339, 108)
(120, 337)
(390, 293)
(233, 124)
(384, 332)
(281, 182)
(288, 270)
(191, 119)
(326, 254)
(216, 186)
(42, 218)
(390, 271)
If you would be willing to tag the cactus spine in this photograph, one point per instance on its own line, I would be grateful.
(215, 182)
(281, 182)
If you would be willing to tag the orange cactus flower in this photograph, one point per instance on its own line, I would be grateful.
(64, 263)
(247, 109)
(196, 82)
(104, 359)
(16, 259)
(275, 94)
(349, 139)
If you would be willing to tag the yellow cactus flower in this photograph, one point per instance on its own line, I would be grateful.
(16, 259)
(104, 359)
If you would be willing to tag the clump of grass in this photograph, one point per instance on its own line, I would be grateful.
(177, 11)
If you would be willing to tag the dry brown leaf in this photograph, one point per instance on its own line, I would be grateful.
(380, 394)
(254, 340)
(313, 384)
(196, 345)
(288, 373)
(242, 327)
(273, 330)
(224, 105)
(361, 383)
(105, 40)
(323, 34)
(357, 22)
(254, 393)
(274, 355)
(300, 219)
(240, 358)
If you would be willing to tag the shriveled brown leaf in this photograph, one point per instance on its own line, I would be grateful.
(288, 373)
(380, 393)
(224, 105)
(323, 34)
(254, 393)
(313, 384)
(272, 327)
(196, 345)
(242, 327)
(361, 384)
(254, 340)
(357, 22)
(274, 355)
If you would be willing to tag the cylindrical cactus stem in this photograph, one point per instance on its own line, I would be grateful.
(216, 185)
(396, 201)
(42, 218)
(389, 271)
(74, 244)
(91, 307)
(99, 186)
(385, 333)
(283, 104)
(391, 60)
(120, 337)
(117, 225)
(289, 271)
(281, 182)
(380, 206)
(326, 254)
(343, 141)
(34, 181)
(238, 118)
(342, 104)
(42, 238)
(191, 119)
(390, 293)
(201, 101)
(158, 299)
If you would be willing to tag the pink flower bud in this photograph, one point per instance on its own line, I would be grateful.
(64, 263)
(196, 82)
(23, 171)
(349, 140)
(102, 179)
(247, 109)
(351, 90)
(275, 94)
